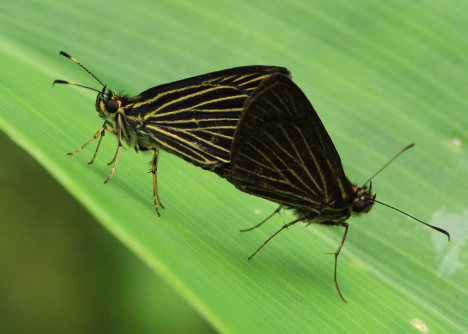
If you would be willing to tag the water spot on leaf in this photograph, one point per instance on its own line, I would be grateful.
(420, 325)
(457, 142)
(450, 253)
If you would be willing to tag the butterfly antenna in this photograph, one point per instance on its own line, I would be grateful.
(388, 163)
(441, 230)
(73, 59)
(74, 84)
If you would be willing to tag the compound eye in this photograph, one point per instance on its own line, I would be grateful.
(360, 205)
(112, 106)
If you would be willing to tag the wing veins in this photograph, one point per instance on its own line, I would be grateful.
(303, 166)
(188, 145)
(292, 158)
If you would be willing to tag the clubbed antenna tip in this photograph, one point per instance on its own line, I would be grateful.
(73, 59)
(63, 53)
(60, 82)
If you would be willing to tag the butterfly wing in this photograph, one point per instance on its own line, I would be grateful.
(283, 153)
(196, 118)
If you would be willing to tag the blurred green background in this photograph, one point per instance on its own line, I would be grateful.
(62, 272)
(380, 74)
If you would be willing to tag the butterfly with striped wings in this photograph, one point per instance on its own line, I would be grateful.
(193, 118)
(283, 153)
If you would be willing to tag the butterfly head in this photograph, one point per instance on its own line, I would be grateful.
(107, 103)
(363, 199)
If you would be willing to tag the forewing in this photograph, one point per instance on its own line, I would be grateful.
(283, 153)
(196, 118)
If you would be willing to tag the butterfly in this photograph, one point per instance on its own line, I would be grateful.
(283, 153)
(193, 118)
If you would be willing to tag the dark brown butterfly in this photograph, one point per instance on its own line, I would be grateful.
(282, 152)
(193, 118)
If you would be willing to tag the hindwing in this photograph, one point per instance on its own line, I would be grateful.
(283, 153)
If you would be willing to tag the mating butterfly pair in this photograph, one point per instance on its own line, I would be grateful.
(251, 125)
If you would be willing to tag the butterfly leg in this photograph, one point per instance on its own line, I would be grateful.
(154, 171)
(285, 226)
(263, 221)
(337, 253)
(99, 143)
(100, 134)
(115, 160)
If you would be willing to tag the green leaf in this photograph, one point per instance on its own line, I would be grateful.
(381, 75)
